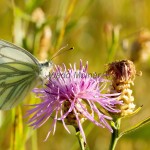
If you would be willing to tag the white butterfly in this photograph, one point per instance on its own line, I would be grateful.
(20, 72)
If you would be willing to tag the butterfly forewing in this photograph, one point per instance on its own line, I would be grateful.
(19, 73)
(10, 52)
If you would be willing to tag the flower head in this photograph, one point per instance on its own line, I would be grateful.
(72, 96)
(123, 74)
(122, 71)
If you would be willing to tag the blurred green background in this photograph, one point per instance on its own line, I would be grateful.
(100, 31)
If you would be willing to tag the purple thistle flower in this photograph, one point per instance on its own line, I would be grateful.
(72, 96)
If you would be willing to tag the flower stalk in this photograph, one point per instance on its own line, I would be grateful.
(83, 145)
(115, 135)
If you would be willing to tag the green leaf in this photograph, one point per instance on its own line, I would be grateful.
(19, 13)
(32, 4)
(137, 126)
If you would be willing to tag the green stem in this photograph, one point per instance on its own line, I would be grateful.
(114, 44)
(83, 145)
(115, 134)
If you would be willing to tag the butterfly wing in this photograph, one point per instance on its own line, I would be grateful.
(19, 73)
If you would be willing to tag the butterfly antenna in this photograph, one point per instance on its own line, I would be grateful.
(61, 51)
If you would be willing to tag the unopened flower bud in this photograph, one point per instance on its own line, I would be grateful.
(45, 43)
(38, 16)
(140, 49)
